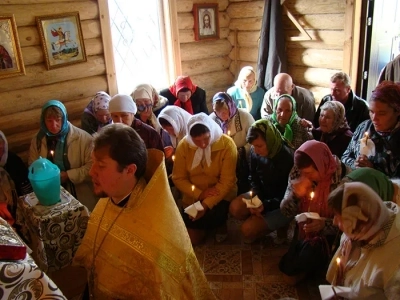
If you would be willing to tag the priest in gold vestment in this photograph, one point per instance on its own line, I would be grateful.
(136, 245)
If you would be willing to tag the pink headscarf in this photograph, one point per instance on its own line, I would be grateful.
(326, 167)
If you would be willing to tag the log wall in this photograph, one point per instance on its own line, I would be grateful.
(21, 97)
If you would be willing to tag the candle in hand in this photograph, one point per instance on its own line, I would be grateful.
(229, 132)
(52, 153)
(251, 197)
(366, 138)
(337, 271)
(311, 198)
(173, 158)
(193, 193)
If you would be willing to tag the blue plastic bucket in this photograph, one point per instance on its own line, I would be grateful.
(45, 180)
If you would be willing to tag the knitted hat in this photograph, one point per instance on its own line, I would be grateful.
(122, 103)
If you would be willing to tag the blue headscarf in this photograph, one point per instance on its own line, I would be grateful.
(60, 149)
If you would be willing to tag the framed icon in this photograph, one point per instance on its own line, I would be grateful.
(206, 25)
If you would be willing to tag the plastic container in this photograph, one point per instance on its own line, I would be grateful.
(45, 179)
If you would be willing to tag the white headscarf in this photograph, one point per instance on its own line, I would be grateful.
(4, 158)
(178, 118)
(215, 134)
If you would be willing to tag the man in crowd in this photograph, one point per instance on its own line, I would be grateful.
(356, 108)
(283, 84)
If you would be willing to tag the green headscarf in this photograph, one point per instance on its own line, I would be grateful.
(272, 136)
(288, 134)
(375, 179)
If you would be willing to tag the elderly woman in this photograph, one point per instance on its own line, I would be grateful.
(368, 251)
(204, 171)
(96, 115)
(285, 118)
(185, 94)
(333, 129)
(271, 160)
(15, 167)
(315, 170)
(68, 147)
(383, 129)
(246, 93)
(144, 95)
(235, 123)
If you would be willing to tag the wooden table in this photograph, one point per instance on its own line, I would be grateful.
(53, 232)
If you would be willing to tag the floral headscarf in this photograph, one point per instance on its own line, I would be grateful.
(340, 122)
(183, 82)
(178, 118)
(288, 133)
(273, 137)
(215, 134)
(224, 97)
(100, 101)
(325, 162)
(4, 157)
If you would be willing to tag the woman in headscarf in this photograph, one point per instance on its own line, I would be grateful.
(15, 167)
(246, 93)
(235, 123)
(68, 147)
(271, 160)
(333, 129)
(285, 118)
(368, 251)
(383, 129)
(204, 171)
(315, 170)
(96, 115)
(143, 95)
(185, 94)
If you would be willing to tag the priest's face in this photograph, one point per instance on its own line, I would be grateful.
(107, 177)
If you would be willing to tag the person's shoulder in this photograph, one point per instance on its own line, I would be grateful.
(359, 101)
(306, 93)
(79, 132)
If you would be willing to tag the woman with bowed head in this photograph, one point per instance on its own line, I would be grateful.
(204, 172)
(367, 259)
(234, 122)
(96, 115)
(315, 173)
(381, 134)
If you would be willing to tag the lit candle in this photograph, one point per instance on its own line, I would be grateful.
(337, 271)
(173, 158)
(193, 193)
(251, 197)
(52, 153)
(311, 198)
(229, 132)
(366, 138)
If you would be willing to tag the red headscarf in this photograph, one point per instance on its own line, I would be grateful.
(326, 167)
(183, 82)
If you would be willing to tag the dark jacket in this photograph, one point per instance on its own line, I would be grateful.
(356, 108)
(337, 142)
(18, 172)
(269, 176)
(387, 149)
(198, 99)
(148, 134)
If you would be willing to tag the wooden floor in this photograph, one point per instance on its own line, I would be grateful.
(236, 270)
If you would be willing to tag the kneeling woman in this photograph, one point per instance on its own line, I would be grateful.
(204, 170)
(271, 160)
(315, 170)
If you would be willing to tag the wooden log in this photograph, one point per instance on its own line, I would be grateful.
(201, 66)
(246, 54)
(326, 22)
(311, 76)
(19, 122)
(245, 38)
(317, 58)
(34, 54)
(34, 98)
(319, 92)
(246, 24)
(29, 35)
(321, 39)
(208, 80)
(25, 14)
(36, 1)
(187, 5)
(206, 49)
(315, 7)
(187, 36)
(186, 20)
(38, 75)
(242, 64)
(246, 9)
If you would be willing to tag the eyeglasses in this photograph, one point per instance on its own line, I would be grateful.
(143, 107)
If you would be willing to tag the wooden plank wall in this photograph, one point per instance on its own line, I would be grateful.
(310, 63)
(206, 62)
(22, 97)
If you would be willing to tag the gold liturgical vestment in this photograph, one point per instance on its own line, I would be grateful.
(147, 254)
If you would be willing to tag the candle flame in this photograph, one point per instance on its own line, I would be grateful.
(173, 157)
(192, 188)
(312, 195)
(251, 194)
(52, 152)
(229, 132)
(366, 134)
(338, 260)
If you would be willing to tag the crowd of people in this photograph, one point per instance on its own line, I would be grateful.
(171, 173)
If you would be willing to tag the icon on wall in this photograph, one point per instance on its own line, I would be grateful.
(206, 21)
